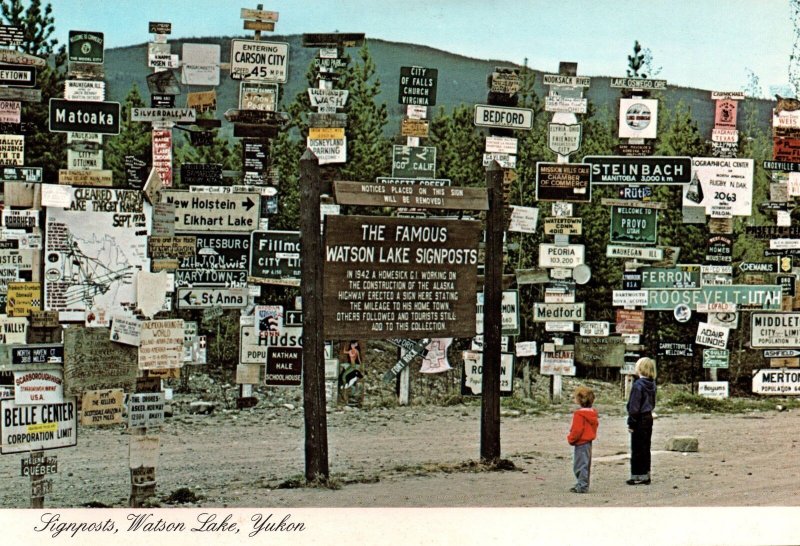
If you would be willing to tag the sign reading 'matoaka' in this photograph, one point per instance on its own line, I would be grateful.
(84, 116)
(399, 277)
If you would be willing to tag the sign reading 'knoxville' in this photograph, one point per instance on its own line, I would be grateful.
(399, 277)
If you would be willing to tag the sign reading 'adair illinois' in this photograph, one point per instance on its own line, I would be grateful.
(399, 277)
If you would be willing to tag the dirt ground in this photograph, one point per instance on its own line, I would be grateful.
(409, 457)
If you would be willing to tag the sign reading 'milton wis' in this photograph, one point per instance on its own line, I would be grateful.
(398, 277)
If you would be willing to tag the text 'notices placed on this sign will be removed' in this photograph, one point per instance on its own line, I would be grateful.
(399, 277)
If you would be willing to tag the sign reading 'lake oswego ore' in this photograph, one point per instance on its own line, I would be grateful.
(399, 277)
(640, 170)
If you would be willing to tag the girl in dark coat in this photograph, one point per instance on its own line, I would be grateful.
(641, 403)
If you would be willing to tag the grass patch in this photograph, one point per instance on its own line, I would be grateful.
(684, 401)
(332, 482)
(423, 469)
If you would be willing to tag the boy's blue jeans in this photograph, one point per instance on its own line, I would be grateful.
(582, 465)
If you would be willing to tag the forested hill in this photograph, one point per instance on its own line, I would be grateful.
(462, 80)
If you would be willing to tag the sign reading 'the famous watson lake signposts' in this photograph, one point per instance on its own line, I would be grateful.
(399, 277)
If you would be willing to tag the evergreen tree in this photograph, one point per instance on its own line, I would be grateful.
(42, 148)
(459, 148)
(134, 138)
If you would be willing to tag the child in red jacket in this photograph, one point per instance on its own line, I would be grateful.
(581, 434)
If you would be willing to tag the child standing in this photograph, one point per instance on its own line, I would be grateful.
(581, 434)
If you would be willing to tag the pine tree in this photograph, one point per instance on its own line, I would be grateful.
(459, 148)
(42, 148)
(134, 138)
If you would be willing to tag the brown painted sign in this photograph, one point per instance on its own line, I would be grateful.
(183, 246)
(603, 352)
(399, 277)
(103, 407)
(414, 127)
(563, 182)
(403, 195)
(92, 361)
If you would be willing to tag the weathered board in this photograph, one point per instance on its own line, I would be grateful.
(404, 195)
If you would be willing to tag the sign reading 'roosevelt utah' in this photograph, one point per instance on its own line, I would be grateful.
(396, 277)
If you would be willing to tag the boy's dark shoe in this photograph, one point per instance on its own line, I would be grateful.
(638, 482)
(576, 490)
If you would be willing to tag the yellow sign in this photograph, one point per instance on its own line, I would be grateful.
(414, 128)
(102, 407)
(23, 297)
(322, 133)
(202, 101)
(85, 177)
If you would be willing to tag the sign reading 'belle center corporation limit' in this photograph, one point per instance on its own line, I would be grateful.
(399, 277)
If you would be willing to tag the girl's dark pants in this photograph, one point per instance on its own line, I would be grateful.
(640, 446)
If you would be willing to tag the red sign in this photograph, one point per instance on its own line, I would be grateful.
(630, 321)
(725, 114)
(162, 155)
(786, 149)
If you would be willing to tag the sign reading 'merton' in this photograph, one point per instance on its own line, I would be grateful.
(399, 277)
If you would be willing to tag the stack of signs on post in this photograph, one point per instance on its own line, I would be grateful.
(724, 136)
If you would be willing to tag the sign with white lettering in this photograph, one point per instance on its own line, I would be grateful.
(413, 161)
(275, 257)
(85, 47)
(38, 427)
(634, 225)
(681, 276)
(715, 358)
(84, 116)
(753, 296)
(418, 85)
(254, 60)
(661, 170)
(563, 182)
(284, 366)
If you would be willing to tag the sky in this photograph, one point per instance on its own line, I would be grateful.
(707, 44)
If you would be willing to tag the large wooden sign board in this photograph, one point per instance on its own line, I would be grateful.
(404, 195)
(399, 277)
(92, 361)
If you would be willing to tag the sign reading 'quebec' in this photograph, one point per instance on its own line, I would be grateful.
(84, 116)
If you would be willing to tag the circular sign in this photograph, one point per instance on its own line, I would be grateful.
(581, 273)
(682, 312)
(638, 116)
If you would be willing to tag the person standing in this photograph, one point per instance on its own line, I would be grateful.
(581, 434)
(641, 404)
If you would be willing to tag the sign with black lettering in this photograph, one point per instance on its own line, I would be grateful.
(399, 277)
(84, 116)
(146, 409)
(202, 298)
(391, 195)
(37, 427)
(660, 170)
(17, 76)
(214, 211)
(255, 60)
(503, 117)
(472, 374)
(784, 382)
(85, 47)
(284, 366)
(275, 257)
(418, 85)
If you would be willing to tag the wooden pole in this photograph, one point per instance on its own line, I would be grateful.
(492, 317)
(36, 501)
(313, 341)
(405, 383)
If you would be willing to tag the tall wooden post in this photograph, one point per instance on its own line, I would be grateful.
(492, 317)
(313, 339)
(37, 498)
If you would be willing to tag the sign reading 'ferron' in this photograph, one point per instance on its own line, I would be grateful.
(397, 277)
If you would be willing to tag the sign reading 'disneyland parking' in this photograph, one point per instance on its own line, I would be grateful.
(503, 117)
(84, 116)
(640, 170)
(399, 277)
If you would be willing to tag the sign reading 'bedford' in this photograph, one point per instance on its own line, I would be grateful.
(503, 117)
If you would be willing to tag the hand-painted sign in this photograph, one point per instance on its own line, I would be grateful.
(413, 161)
(146, 409)
(605, 352)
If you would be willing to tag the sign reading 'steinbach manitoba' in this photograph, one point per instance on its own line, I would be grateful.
(399, 277)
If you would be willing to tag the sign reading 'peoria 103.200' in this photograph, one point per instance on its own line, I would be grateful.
(399, 277)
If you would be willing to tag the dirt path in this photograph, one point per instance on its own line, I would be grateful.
(399, 458)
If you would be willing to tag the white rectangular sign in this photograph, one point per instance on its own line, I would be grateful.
(525, 348)
(565, 105)
(39, 427)
(561, 312)
(126, 330)
(501, 145)
(254, 60)
(161, 344)
(214, 211)
(629, 297)
(85, 90)
(334, 98)
(711, 335)
(12, 150)
(725, 186)
(780, 381)
(713, 389)
(503, 117)
(594, 328)
(201, 64)
(179, 115)
(641, 253)
(328, 150)
(145, 409)
(775, 330)
(551, 255)
(557, 363)
(523, 219)
(38, 387)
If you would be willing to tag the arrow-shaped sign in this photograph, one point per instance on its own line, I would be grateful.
(409, 355)
(257, 116)
(781, 353)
